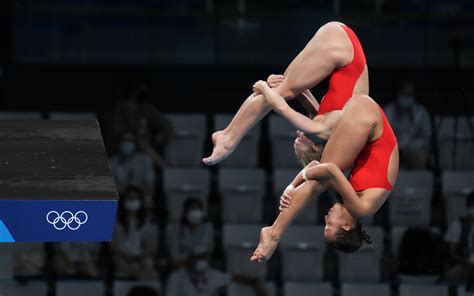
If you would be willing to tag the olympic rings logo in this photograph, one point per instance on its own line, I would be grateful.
(67, 219)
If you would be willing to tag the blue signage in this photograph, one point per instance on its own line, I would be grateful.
(56, 220)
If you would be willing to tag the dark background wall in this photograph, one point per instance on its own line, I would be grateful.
(208, 89)
(204, 56)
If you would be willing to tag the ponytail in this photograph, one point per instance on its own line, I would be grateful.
(352, 240)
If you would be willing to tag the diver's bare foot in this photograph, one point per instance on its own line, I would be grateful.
(266, 247)
(222, 149)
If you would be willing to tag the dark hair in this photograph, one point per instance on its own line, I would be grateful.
(128, 131)
(352, 240)
(188, 203)
(120, 137)
(122, 212)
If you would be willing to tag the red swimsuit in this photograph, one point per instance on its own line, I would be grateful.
(371, 165)
(342, 81)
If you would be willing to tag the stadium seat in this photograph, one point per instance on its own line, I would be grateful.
(464, 158)
(307, 289)
(444, 125)
(186, 146)
(363, 265)
(182, 183)
(242, 192)
(463, 291)
(423, 290)
(80, 288)
(239, 242)
(303, 248)
(246, 153)
(282, 137)
(36, 288)
(410, 201)
(456, 185)
(350, 289)
(455, 140)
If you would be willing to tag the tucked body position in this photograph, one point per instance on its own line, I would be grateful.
(335, 53)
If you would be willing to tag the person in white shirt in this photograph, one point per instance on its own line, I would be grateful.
(411, 124)
(135, 239)
(460, 238)
(197, 278)
(193, 234)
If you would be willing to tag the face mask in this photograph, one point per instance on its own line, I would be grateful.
(405, 101)
(132, 205)
(195, 216)
(127, 148)
(201, 265)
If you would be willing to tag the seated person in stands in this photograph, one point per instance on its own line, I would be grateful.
(194, 232)
(131, 166)
(197, 278)
(411, 124)
(135, 239)
(137, 112)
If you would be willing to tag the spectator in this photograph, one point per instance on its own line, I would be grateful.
(133, 167)
(135, 239)
(412, 126)
(460, 239)
(77, 259)
(197, 278)
(135, 113)
(194, 233)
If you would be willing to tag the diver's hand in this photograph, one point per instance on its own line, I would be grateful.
(275, 80)
(285, 201)
(259, 87)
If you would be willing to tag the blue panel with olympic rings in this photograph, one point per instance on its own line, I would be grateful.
(56, 220)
